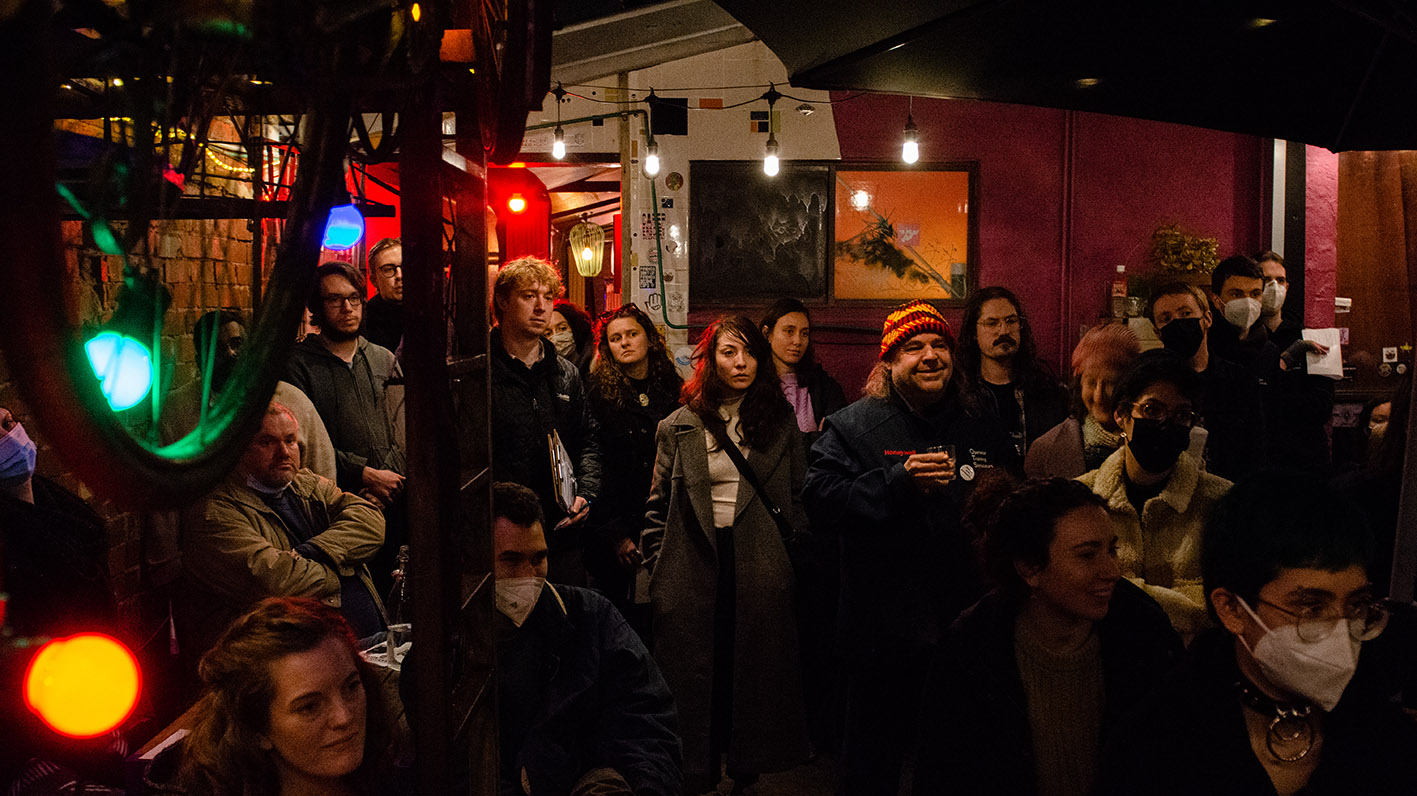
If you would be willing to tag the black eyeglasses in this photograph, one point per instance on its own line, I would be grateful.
(1154, 410)
(335, 302)
(389, 269)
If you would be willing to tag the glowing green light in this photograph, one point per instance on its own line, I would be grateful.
(123, 366)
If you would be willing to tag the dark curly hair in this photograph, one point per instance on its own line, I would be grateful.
(765, 412)
(223, 753)
(607, 380)
(1015, 522)
(1029, 371)
(577, 319)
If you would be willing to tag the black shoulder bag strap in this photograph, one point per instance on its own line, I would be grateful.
(720, 436)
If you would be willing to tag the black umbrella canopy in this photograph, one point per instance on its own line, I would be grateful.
(1335, 74)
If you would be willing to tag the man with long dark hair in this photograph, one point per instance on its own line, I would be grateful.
(1000, 371)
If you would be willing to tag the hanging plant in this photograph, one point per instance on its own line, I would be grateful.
(1179, 252)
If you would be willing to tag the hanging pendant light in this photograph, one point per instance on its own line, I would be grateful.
(587, 243)
(771, 163)
(910, 148)
(558, 138)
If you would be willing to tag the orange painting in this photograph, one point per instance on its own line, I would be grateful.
(901, 235)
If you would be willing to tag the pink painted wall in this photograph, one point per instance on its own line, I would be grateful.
(1063, 198)
(1320, 237)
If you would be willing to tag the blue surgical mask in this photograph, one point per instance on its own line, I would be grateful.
(17, 455)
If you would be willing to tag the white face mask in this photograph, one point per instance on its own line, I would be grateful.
(1242, 312)
(1273, 300)
(517, 596)
(565, 343)
(1317, 671)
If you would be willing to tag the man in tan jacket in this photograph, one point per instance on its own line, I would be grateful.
(273, 529)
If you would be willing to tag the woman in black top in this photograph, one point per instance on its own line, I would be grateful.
(632, 386)
(805, 384)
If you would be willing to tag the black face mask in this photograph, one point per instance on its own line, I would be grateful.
(1182, 336)
(1156, 444)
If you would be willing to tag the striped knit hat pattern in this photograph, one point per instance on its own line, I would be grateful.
(912, 318)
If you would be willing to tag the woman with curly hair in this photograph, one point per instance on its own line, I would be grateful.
(288, 708)
(632, 386)
(722, 587)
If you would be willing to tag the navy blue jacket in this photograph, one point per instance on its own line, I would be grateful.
(907, 566)
(576, 691)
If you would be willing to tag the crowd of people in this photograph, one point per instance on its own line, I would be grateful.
(973, 578)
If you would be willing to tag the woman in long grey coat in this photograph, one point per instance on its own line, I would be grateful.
(722, 586)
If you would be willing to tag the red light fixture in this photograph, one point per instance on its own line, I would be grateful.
(517, 203)
(84, 685)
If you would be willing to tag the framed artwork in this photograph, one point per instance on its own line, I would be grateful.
(903, 233)
(754, 237)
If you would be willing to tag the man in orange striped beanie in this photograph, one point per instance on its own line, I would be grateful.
(884, 481)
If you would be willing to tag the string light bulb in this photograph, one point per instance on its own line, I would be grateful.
(558, 138)
(652, 158)
(910, 148)
(771, 164)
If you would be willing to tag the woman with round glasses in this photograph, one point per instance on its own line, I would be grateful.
(1292, 694)
(1157, 495)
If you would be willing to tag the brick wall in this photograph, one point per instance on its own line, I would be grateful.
(207, 265)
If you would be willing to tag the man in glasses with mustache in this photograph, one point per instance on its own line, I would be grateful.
(1000, 369)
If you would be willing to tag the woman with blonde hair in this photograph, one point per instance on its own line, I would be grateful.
(728, 476)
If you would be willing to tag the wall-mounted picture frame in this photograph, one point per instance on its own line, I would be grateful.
(755, 237)
(903, 233)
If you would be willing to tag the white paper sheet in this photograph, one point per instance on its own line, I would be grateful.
(1330, 364)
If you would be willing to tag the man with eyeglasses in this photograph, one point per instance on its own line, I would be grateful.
(1292, 694)
(1232, 411)
(1000, 371)
(348, 379)
(383, 315)
(1157, 495)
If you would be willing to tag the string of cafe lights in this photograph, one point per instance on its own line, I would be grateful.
(910, 142)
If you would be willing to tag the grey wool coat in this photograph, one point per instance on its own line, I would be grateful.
(680, 549)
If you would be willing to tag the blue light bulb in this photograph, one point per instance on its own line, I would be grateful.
(123, 366)
(344, 228)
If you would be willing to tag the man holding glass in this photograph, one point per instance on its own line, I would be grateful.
(889, 477)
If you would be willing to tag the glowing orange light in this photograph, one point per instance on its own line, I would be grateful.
(416, 12)
(83, 685)
(517, 165)
(516, 204)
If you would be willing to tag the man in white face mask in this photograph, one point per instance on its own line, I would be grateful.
(1275, 701)
(1250, 297)
(583, 707)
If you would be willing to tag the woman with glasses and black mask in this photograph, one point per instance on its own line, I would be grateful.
(1157, 495)
(1293, 693)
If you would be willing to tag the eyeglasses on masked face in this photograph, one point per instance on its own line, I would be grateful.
(1155, 410)
(1367, 619)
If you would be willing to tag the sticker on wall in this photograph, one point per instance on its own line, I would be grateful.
(666, 203)
(684, 356)
(674, 181)
(646, 278)
(676, 302)
(654, 302)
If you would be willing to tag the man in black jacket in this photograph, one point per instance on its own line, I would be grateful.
(1232, 412)
(999, 368)
(537, 399)
(583, 707)
(881, 483)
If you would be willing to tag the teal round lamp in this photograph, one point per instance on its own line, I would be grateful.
(124, 368)
(344, 228)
